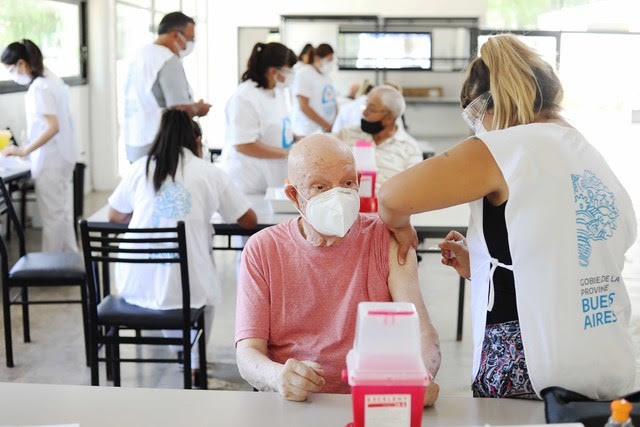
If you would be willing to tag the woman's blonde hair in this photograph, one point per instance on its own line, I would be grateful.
(522, 84)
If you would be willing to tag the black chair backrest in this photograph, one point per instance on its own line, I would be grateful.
(115, 243)
(214, 153)
(6, 207)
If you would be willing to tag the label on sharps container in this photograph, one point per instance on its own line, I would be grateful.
(366, 186)
(387, 410)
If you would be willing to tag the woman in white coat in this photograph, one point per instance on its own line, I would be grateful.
(550, 224)
(315, 101)
(51, 146)
(173, 183)
(259, 133)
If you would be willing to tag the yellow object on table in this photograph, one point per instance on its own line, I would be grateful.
(5, 137)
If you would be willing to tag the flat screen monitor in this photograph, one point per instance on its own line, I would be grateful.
(384, 50)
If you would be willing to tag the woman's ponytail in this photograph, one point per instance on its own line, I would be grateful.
(265, 55)
(522, 84)
(34, 58)
(27, 51)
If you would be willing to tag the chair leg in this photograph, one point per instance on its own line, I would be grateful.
(460, 309)
(6, 308)
(116, 358)
(186, 351)
(85, 322)
(23, 207)
(93, 347)
(108, 354)
(202, 349)
(25, 314)
(8, 231)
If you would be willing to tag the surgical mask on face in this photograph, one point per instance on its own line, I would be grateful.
(326, 66)
(333, 212)
(21, 79)
(371, 128)
(189, 46)
(288, 79)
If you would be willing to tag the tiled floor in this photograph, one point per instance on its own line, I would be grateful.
(56, 353)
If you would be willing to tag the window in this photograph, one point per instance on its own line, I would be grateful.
(57, 27)
(378, 50)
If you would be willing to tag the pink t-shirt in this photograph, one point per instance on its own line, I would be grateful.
(303, 299)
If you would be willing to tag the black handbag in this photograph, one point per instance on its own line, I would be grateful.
(566, 406)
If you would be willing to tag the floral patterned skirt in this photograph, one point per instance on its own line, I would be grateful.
(503, 368)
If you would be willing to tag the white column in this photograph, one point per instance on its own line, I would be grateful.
(102, 95)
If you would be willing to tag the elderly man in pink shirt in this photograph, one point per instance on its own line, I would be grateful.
(301, 281)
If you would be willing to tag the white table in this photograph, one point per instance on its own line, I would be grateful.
(35, 404)
(13, 168)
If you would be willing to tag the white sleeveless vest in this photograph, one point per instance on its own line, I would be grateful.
(570, 222)
(142, 113)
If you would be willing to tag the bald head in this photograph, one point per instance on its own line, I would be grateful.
(319, 154)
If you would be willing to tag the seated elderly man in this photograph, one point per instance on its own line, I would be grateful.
(301, 281)
(395, 149)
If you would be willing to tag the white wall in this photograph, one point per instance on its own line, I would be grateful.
(225, 18)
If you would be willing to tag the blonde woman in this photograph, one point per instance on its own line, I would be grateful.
(550, 224)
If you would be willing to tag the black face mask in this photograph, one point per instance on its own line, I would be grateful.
(371, 128)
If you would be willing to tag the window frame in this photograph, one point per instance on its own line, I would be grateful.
(7, 86)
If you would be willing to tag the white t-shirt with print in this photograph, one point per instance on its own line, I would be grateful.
(198, 192)
(256, 114)
(318, 87)
(48, 95)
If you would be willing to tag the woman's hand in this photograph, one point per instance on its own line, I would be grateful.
(13, 150)
(407, 238)
(456, 254)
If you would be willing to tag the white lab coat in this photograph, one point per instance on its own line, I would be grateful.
(570, 222)
(199, 191)
(256, 114)
(318, 88)
(52, 164)
(142, 113)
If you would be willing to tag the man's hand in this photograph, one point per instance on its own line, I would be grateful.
(202, 108)
(407, 238)
(431, 393)
(456, 254)
(297, 380)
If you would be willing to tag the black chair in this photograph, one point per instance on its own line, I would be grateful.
(36, 269)
(109, 314)
(214, 154)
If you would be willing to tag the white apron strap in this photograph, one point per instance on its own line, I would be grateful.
(492, 293)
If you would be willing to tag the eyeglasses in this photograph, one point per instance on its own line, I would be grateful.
(474, 112)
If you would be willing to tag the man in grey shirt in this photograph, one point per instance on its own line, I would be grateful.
(156, 81)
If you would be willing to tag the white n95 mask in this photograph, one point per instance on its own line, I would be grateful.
(333, 212)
